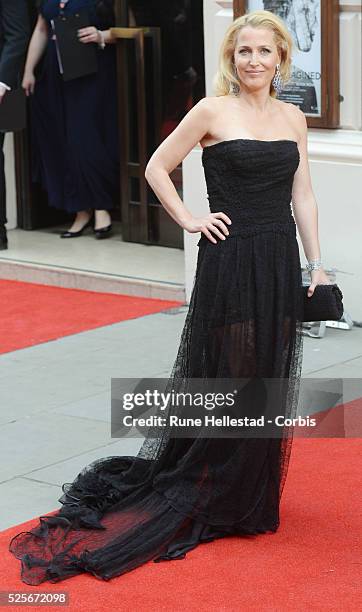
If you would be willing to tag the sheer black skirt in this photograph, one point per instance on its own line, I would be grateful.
(244, 321)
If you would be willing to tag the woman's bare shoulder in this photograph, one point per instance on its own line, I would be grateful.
(210, 104)
(296, 115)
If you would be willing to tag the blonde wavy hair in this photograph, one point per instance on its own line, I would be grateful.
(225, 81)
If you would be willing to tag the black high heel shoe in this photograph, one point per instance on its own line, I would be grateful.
(69, 234)
(103, 232)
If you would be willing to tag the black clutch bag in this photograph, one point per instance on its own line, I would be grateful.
(324, 305)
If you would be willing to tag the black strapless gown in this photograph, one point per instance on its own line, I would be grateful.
(244, 320)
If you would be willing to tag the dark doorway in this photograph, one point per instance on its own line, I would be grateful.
(159, 80)
(161, 52)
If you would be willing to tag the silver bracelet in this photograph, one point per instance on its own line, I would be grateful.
(102, 44)
(314, 264)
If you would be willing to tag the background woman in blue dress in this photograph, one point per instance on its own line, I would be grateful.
(74, 123)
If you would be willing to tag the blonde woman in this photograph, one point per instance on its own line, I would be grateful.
(244, 323)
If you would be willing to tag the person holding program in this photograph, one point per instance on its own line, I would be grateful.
(74, 122)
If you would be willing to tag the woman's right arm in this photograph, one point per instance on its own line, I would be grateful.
(171, 152)
(36, 49)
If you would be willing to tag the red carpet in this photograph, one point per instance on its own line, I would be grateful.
(312, 563)
(33, 313)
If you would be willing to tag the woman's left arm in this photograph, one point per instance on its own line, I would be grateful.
(304, 204)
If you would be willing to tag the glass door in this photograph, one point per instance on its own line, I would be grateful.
(160, 57)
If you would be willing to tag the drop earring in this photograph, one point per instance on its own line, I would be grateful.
(277, 80)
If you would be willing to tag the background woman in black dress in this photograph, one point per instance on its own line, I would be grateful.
(74, 135)
(244, 322)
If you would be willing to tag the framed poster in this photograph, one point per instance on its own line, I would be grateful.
(314, 81)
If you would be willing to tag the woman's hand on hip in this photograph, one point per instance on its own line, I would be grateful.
(89, 34)
(213, 223)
